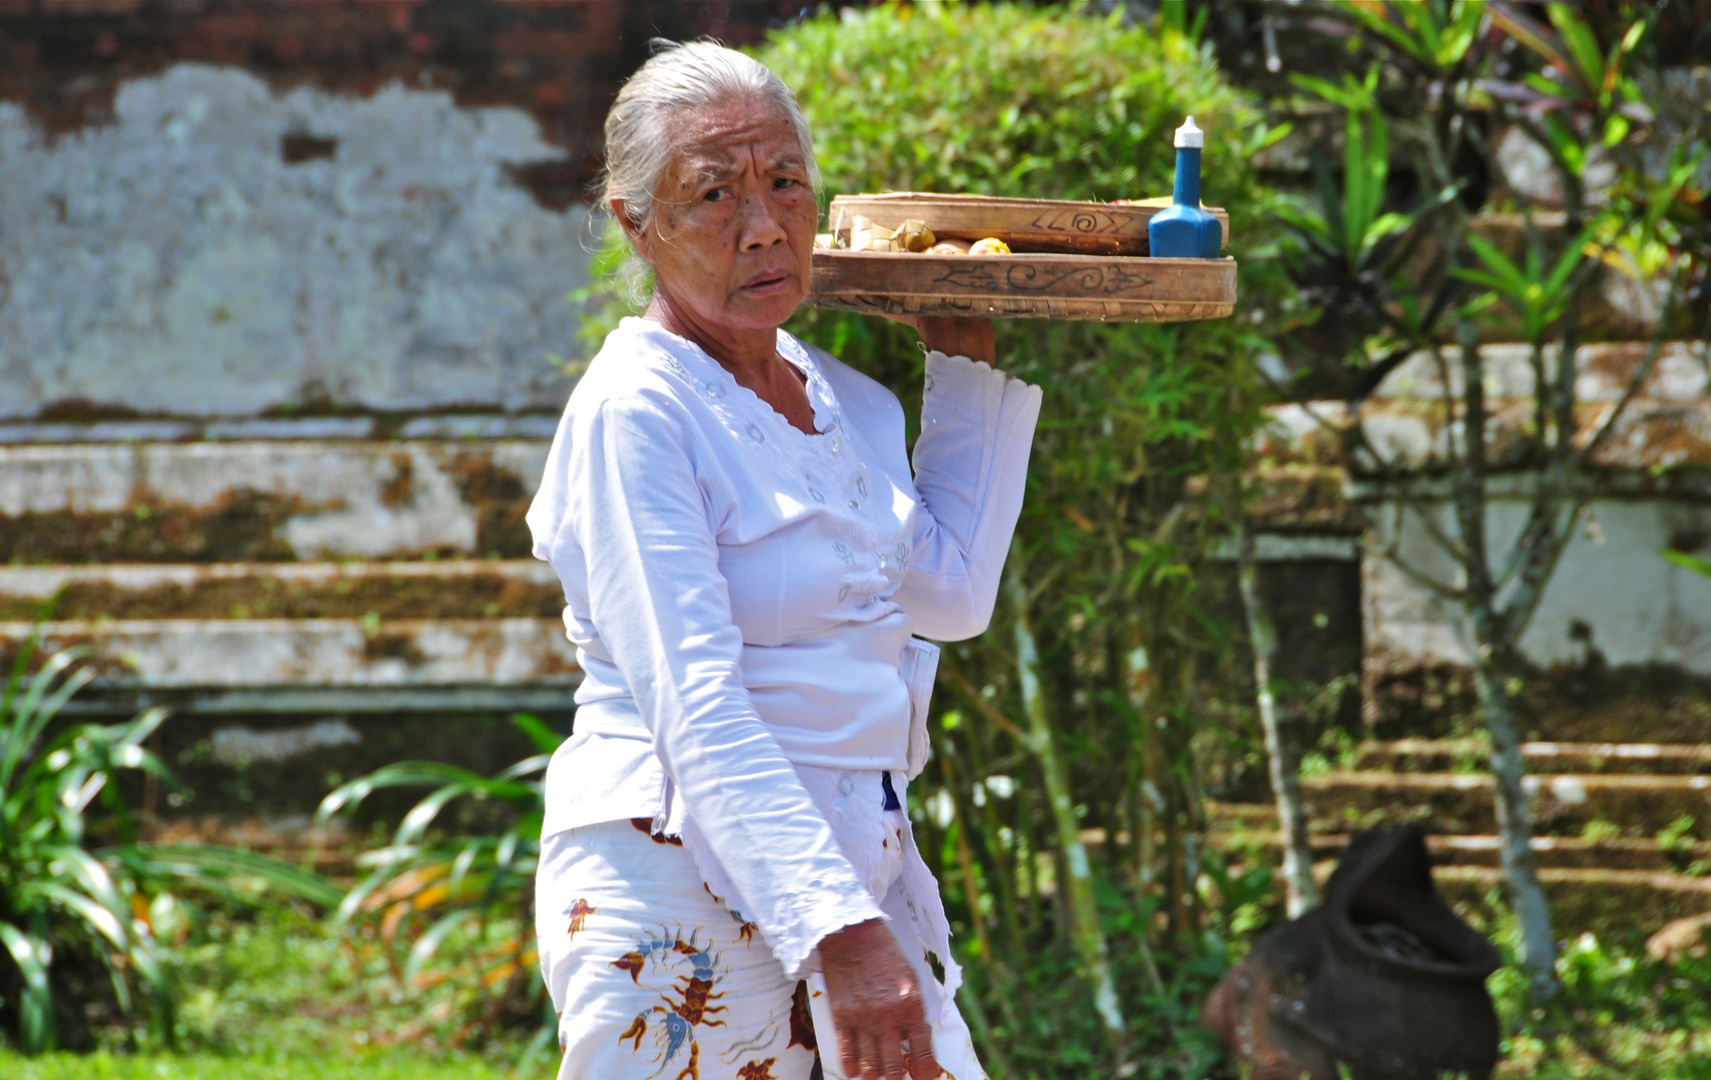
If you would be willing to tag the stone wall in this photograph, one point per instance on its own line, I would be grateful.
(217, 210)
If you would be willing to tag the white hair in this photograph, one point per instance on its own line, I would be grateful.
(640, 136)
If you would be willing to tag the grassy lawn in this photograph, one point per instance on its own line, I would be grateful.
(278, 999)
(394, 1064)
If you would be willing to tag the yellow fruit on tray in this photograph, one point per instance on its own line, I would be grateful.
(989, 246)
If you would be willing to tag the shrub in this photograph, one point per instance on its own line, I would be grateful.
(427, 890)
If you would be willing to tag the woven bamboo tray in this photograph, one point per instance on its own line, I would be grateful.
(1072, 261)
(1087, 288)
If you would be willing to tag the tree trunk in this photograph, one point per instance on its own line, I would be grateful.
(1515, 831)
(1283, 758)
(1077, 889)
(1493, 650)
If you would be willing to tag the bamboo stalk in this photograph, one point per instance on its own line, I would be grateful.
(1283, 764)
(1088, 937)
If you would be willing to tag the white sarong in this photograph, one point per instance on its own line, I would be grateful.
(655, 978)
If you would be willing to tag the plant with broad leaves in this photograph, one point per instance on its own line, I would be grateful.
(450, 908)
(61, 908)
(71, 918)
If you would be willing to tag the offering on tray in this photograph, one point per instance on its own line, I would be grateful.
(909, 252)
(1010, 264)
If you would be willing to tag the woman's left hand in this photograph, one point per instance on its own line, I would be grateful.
(955, 335)
(876, 1005)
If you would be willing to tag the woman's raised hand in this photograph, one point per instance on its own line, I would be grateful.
(954, 335)
(876, 1005)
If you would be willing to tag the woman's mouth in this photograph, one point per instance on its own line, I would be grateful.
(766, 282)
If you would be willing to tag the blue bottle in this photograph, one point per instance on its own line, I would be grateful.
(1184, 231)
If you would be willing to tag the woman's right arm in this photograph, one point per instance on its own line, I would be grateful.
(637, 510)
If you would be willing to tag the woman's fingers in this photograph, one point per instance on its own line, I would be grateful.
(869, 1054)
(891, 1057)
(876, 1004)
(920, 1060)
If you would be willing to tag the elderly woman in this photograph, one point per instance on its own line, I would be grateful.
(728, 880)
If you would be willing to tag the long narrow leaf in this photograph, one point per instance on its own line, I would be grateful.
(35, 1010)
(26, 719)
(1380, 24)
(88, 872)
(422, 815)
(400, 774)
(1501, 268)
(93, 915)
(1582, 46)
(426, 945)
(546, 740)
(1687, 562)
(1531, 34)
(196, 862)
(527, 767)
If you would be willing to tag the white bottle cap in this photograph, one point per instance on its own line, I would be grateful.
(1190, 136)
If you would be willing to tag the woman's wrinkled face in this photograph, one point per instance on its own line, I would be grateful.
(734, 216)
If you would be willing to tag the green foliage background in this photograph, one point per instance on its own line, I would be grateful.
(1013, 100)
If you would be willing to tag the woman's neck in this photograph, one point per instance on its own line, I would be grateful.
(749, 355)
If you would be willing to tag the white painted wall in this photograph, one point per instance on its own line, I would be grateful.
(1639, 607)
(173, 263)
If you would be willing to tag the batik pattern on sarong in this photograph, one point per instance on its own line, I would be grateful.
(654, 979)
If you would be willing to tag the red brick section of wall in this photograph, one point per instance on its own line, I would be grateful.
(561, 60)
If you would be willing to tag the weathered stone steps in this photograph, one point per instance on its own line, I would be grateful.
(457, 588)
(1470, 755)
(290, 665)
(1568, 852)
(1563, 803)
(266, 500)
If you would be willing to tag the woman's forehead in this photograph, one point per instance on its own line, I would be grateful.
(724, 138)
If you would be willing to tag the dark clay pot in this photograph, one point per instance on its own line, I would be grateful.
(1382, 978)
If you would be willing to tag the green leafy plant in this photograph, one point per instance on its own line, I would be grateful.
(444, 908)
(61, 907)
(72, 917)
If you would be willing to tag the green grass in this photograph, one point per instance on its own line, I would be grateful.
(277, 997)
(1620, 1016)
(372, 1065)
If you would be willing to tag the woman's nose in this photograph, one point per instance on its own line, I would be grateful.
(759, 226)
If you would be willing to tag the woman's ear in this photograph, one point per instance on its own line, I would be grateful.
(640, 239)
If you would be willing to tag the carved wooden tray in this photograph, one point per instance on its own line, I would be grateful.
(1072, 260)
(1097, 288)
(1027, 225)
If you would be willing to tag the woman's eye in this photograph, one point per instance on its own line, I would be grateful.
(784, 183)
(718, 194)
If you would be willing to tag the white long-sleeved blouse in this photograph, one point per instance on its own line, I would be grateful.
(743, 595)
